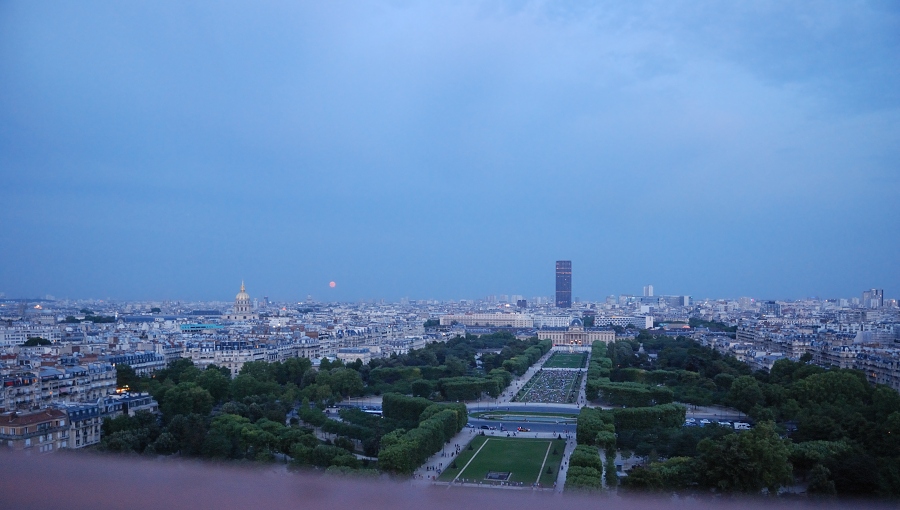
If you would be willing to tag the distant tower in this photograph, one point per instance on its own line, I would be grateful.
(564, 284)
(770, 308)
(648, 290)
(873, 298)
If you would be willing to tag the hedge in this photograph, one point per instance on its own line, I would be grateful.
(402, 408)
(591, 422)
(661, 416)
(632, 394)
(403, 454)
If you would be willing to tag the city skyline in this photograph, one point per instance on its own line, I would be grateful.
(448, 151)
(870, 298)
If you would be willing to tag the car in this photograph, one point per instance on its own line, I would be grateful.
(492, 427)
(470, 426)
(523, 429)
(484, 427)
(502, 428)
(739, 425)
(723, 423)
(704, 422)
(690, 420)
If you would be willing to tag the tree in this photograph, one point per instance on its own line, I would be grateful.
(346, 382)
(125, 376)
(180, 370)
(165, 444)
(186, 398)
(455, 366)
(225, 439)
(34, 341)
(746, 462)
(215, 383)
(259, 370)
(189, 431)
(246, 385)
(422, 388)
(745, 393)
(292, 370)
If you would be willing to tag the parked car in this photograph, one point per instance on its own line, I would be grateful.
(523, 429)
(739, 425)
(704, 422)
(484, 427)
(723, 423)
(469, 426)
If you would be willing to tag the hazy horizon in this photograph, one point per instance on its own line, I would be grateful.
(161, 150)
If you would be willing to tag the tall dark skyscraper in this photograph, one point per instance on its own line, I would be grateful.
(564, 284)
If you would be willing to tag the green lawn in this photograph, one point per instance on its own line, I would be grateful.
(523, 458)
(566, 360)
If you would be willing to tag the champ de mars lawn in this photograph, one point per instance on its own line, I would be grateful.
(493, 460)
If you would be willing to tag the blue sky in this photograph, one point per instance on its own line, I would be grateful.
(446, 150)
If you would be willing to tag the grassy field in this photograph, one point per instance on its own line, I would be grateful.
(525, 459)
(566, 360)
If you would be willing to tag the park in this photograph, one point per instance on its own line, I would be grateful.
(508, 461)
(566, 360)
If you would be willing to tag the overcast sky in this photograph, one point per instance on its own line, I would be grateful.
(447, 150)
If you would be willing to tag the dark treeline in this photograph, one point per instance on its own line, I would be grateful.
(827, 428)
(205, 413)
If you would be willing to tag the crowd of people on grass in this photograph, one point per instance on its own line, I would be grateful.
(549, 386)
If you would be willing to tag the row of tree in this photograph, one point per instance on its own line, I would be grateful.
(520, 364)
(585, 469)
(402, 451)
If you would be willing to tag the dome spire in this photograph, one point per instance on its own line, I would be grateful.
(242, 286)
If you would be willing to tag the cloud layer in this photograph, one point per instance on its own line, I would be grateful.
(448, 150)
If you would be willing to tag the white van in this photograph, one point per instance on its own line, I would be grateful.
(739, 425)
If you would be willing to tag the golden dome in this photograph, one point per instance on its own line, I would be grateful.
(242, 295)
